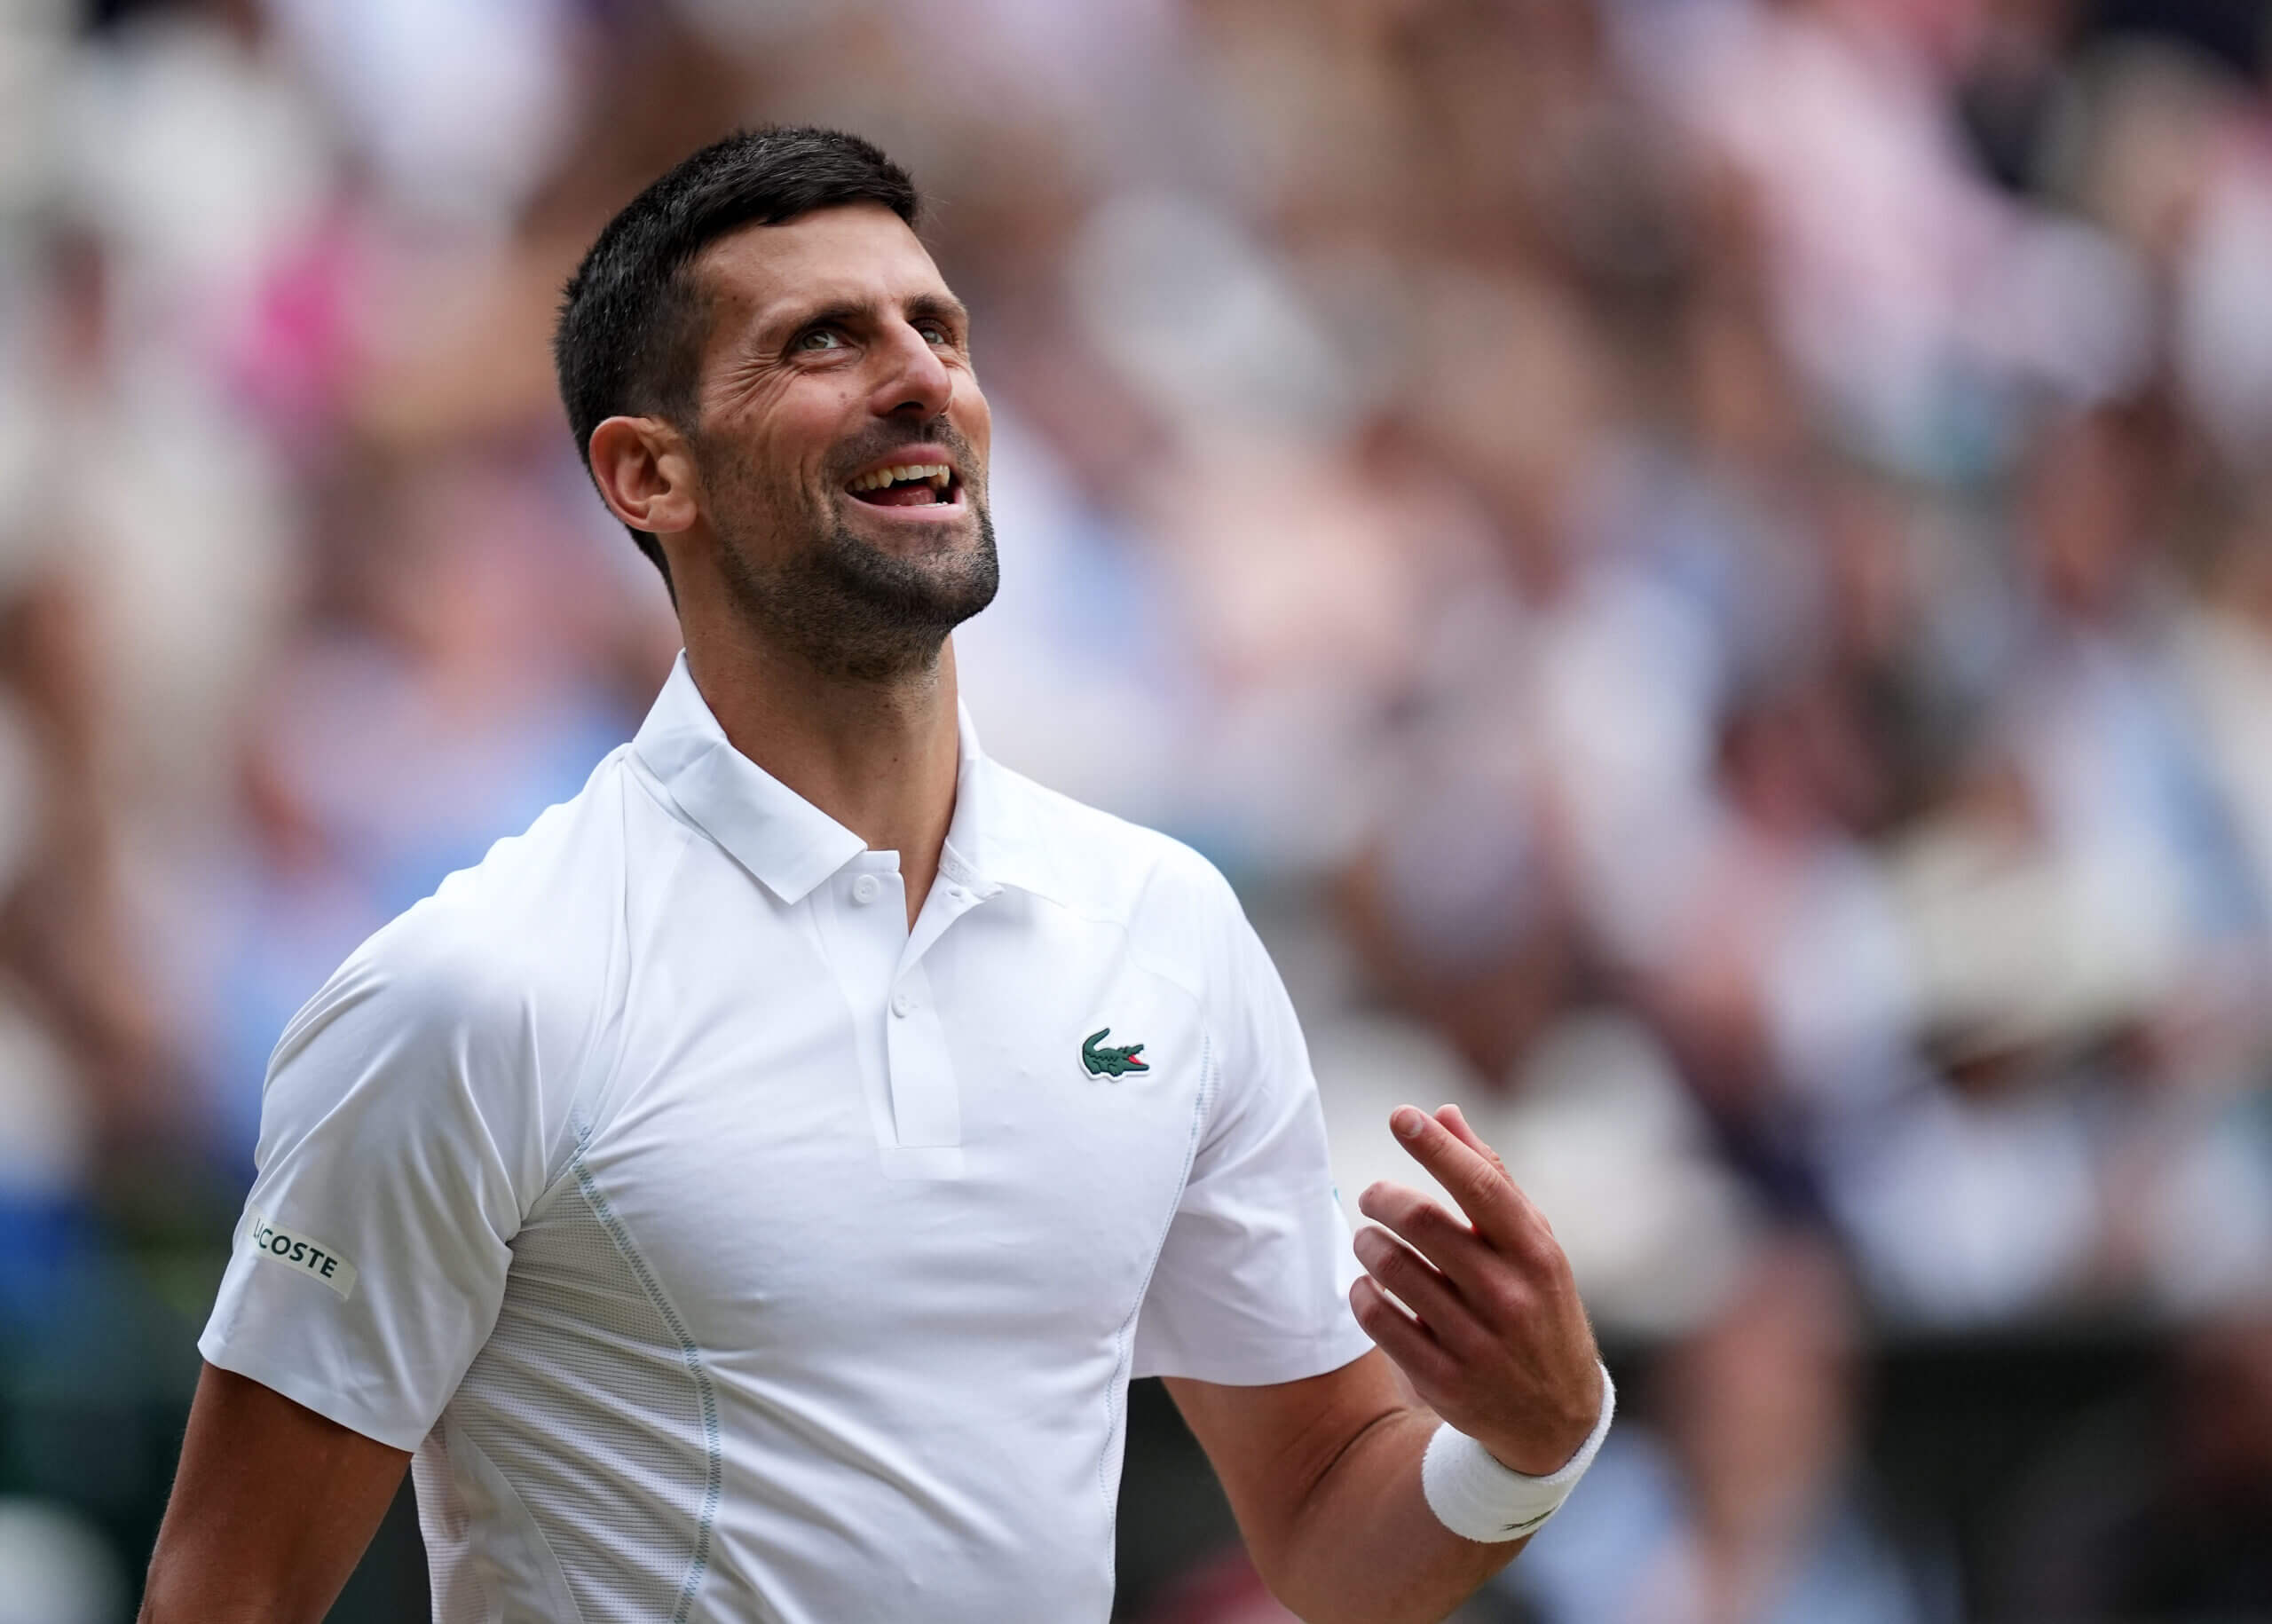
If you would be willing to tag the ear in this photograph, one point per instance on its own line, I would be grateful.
(645, 474)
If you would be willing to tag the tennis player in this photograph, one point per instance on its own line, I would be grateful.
(747, 1194)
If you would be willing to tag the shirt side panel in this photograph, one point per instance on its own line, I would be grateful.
(592, 1402)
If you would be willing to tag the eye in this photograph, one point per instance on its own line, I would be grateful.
(934, 332)
(821, 339)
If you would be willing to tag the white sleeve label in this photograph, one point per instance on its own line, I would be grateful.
(278, 1244)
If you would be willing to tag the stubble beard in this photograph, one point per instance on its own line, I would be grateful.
(843, 606)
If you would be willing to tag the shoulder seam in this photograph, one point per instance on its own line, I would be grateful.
(1138, 953)
(597, 1071)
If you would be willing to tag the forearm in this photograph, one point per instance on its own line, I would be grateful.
(1363, 1547)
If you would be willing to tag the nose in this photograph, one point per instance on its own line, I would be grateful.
(915, 381)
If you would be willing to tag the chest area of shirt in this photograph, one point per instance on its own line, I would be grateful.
(856, 1152)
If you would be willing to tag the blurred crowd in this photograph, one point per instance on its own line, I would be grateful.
(1706, 565)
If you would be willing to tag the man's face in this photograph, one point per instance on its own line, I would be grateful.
(842, 439)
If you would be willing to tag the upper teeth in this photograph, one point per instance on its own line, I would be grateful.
(935, 472)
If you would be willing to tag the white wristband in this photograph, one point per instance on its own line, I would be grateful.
(1478, 1499)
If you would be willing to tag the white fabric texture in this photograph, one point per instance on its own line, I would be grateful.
(1478, 1498)
(726, 1250)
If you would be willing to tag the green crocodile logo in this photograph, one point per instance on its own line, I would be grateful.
(1109, 1061)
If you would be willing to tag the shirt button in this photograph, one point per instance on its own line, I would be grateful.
(864, 888)
(901, 1002)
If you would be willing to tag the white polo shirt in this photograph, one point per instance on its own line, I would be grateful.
(728, 1250)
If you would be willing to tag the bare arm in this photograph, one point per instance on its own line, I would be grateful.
(1324, 1474)
(270, 1510)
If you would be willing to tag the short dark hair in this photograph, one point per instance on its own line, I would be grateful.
(630, 331)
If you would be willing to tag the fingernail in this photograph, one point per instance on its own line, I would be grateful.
(1407, 1121)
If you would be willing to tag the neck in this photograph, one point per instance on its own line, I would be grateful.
(878, 756)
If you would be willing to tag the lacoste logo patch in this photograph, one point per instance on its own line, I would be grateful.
(277, 1244)
(1109, 1061)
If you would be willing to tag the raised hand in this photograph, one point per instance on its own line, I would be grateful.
(1496, 1341)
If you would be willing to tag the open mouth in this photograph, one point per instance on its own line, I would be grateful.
(908, 484)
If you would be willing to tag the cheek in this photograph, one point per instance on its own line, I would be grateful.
(748, 501)
(784, 424)
(762, 457)
(973, 420)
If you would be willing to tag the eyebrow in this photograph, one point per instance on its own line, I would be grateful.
(931, 307)
(940, 305)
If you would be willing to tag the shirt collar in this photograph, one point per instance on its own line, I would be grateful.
(994, 840)
(790, 845)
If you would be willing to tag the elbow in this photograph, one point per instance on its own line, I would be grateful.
(169, 1592)
(176, 1591)
(1376, 1596)
(1315, 1604)
(159, 1603)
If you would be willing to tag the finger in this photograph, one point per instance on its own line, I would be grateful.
(1482, 1189)
(1457, 1251)
(1498, 1295)
(1455, 1119)
(1402, 1338)
(1434, 1300)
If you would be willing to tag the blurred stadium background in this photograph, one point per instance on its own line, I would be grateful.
(1706, 565)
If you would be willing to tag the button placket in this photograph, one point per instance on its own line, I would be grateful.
(926, 1100)
(926, 1106)
(864, 938)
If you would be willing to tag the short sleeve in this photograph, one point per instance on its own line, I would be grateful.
(402, 1139)
(1252, 1285)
